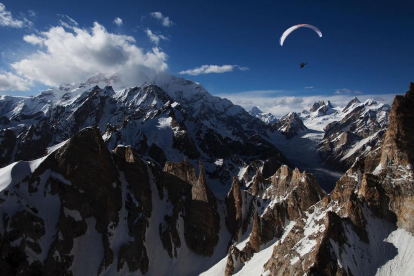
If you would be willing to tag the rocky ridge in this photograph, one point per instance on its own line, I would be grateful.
(374, 197)
(142, 215)
(167, 120)
(290, 125)
(363, 125)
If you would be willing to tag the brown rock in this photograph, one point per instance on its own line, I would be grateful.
(256, 235)
(202, 224)
(234, 203)
(183, 170)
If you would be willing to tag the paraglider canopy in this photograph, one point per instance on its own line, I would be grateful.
(291, 29)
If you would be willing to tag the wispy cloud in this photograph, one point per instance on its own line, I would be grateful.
(32, 13)
(11, 82)
(118, 21)
(208, 69)
(154, 37)
(67, 21)
(165, 20)
(7, 19)
(272, 101)
(308, 87)
(346, 91)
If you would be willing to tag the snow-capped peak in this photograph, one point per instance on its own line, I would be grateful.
(255, 111)
(266, 117)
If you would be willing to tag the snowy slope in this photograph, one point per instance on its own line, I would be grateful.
(267, 118)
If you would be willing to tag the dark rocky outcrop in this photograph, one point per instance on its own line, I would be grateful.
(234, 203)
(7, 146)
(202, 222)
(290, 125)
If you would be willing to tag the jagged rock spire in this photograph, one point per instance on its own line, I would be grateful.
(234, 202)
(256, 235)
(199, 190)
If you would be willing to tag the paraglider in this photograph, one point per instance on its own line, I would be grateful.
(302, 64)
(291, 29)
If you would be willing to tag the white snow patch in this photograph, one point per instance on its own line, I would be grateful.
(242, 172)
(305, 246)
(5, 176)
(359, 145)
(55, 147)
(288, 228)
(377, 169)
(255, 265)
(72, 213)
(294, 260)
(403, 263)
(243, 243)
(219, 162)
(88, 251)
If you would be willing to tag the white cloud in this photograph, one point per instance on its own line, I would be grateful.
(165, 20)
(11, 82)
(67, 21)
(75, 54)
(118, 21)
(32, 13)
(208, 69)
(33, 39)
(70, 19)
(308, 87)
(346, 91)
(7, 20)
(153, 37)
(269, 101)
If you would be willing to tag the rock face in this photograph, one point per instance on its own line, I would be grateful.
(234, 204)
(183, 170)
(321, 107)
(83, 194)
(290, 125)
(365, 209)
(355, 135)
(167, 120)
(202, 222)
(397, 158)
(285, 197)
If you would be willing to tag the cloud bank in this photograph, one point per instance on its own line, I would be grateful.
(208, 69)
(11, 82)
(72, 54)
(270, 101)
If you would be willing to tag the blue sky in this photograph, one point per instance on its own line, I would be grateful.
(366, 48)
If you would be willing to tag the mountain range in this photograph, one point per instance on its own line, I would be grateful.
(165, 179)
